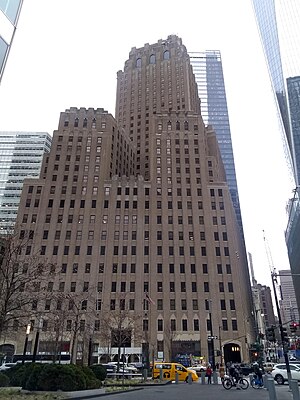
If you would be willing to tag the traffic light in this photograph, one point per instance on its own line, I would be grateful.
(293, 327)
(284, 336)
(270, 334)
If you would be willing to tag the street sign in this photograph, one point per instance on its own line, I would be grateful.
(212, 337)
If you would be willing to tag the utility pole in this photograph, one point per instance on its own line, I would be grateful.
(282, 335)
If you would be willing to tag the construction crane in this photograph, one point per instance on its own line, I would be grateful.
(283, 333)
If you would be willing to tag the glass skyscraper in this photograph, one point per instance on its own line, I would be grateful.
(9, 14)
(208, 71)
(21, 155)
(278, 24)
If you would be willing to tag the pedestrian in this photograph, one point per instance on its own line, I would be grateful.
(208, 374)
(221, 372)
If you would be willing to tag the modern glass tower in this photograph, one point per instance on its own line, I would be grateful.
(278, 25)
(9, 15)
(21, 155)
(208, 71)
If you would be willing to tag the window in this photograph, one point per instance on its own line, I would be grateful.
(183, 304)
(232, 304)
(77, 250)
(221, 286)
(85, 286)
(230, 287)
(219, 268)
(206, 286)
(75, 268)
(195, 304)
(223, 304)
(73, 287)
(196, 325)
(152, 59)
(166, 55)
(184, 325)
(224, 324)
(160, 325)
(182, 286)
(172, 304)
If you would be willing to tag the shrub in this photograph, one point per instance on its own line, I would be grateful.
(72, 378)
(49, 377)
(4, 380)
(91, 381)
(32, 375)
(52, 377)
(99, 371)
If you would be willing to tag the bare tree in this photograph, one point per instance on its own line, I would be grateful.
(21, 278)
(120, 326)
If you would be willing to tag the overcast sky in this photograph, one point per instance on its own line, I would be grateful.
(66, 53)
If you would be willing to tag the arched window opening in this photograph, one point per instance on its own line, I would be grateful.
(152, 59)
(177, 126)
(186, 126)
(167, 55)
(138, 63)
(84, 123)
(76, 122)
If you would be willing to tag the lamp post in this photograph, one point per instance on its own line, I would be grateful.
(210, 341)
(28, 327)
(36, 342)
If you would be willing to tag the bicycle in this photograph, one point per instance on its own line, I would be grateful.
(229, 382)
(256, 382)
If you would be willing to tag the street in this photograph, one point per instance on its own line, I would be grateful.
(196, 391)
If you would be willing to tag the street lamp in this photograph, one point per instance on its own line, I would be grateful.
(36, 342)
(28, 328)
(210, 340)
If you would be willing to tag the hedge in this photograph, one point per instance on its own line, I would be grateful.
(52, 377)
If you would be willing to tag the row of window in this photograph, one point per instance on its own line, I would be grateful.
(184, 325)
(173, 325)
(124, 268)
(107, 189)
(92, 219)
(50, 304)
(152, 59)
(126, 250)
(103, 235)
(84, 123)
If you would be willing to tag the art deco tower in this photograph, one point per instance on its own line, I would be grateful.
(137, 215)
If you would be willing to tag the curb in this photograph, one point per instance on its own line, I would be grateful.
(102, 394)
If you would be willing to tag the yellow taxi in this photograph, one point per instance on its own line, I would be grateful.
(169, 371)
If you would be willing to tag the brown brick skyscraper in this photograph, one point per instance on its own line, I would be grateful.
(137, 215)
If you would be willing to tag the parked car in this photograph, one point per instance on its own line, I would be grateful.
(246, 368)
(5, 366)
(198, 368)
(127, 368)
(279, 373)
(268, 367)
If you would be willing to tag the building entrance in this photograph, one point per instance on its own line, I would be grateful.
(232, 353)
